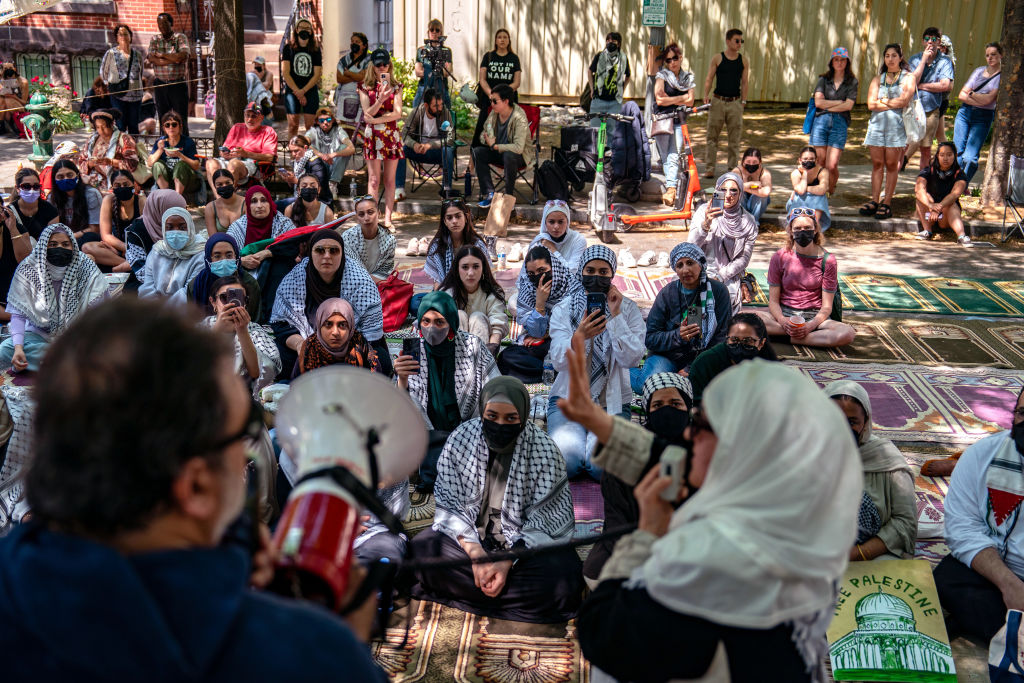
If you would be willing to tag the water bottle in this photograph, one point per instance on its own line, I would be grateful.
(469, 185)
(548, 376)
(352, 188)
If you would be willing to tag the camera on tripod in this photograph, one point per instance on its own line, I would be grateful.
(433, 52)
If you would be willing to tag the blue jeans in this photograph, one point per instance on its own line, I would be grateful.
(829, 130)
(668, 148)
(652, 366)
(609, 106)
(755, 205)
(34, 345)
(575, 443)
(431, 156)
(970, 128)
(131, 114)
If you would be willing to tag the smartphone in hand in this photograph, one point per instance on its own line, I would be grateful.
(717, 201)
(597, 301)
(411, 347)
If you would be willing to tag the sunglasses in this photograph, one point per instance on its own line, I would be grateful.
(932, 39)
(671, 59)
(495, 100)
(320, 251)
(171, 124)
(251, 430)
(454, 201)
(28, 188)
(324, 120)
(738, 40)
(227, 297)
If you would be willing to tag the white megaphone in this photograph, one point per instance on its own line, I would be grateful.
(349, 432)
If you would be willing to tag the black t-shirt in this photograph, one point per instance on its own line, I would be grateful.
(600, 91)
(35, 225)
(939, 188)
(500, 68)
(303, 61)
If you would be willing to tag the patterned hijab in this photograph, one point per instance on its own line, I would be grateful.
(157, 204)
(708, 321)
(331, 307)
(563, 285)
(258, 229)
(667, 380)
(32, 291)
(356, 350)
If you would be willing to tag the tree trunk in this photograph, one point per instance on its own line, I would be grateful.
(1008, 137)
(230, 64)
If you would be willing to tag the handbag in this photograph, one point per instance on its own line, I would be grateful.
(837, 300)
(664, 126)
(123, 85)
(914, 121)
(812, 111)
(1005, 657)
(395, 295)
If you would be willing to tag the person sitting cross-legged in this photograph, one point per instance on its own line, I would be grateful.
(938, 190)
(501, 484)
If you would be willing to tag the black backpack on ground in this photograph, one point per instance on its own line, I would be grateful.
(552, 182)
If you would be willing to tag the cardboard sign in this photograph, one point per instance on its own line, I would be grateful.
(499, 213)
(888, 625)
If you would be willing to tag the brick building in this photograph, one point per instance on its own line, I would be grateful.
(65, 42)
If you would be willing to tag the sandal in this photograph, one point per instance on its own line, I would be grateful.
(868, 209)
(884, 211)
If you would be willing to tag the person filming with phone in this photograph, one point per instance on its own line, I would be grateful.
(613, 329)
(688, 316)
(130, 577)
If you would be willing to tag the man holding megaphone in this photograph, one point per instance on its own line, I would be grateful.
(121, 571)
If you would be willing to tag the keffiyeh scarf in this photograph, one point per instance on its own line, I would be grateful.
(683, 81)
(537, 506)
(563, 284)
(280, 225)
(474, 365)
(708, 320)
(32, 292)
(436, 266)
(355, 246)
(299, 165)
(667, 380)
(599, 347)
(359, 353)
(266, 350)
(357, 288)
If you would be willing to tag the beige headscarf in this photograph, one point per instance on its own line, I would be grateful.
(876, 454)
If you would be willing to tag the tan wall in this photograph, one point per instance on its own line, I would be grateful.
(788, 42)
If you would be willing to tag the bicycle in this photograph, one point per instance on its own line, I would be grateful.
(604, 216)
(688, 179)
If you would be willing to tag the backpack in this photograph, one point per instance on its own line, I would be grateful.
(551, 181)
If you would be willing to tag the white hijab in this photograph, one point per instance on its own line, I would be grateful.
(196, 241)
(766, 537)
(877, 454)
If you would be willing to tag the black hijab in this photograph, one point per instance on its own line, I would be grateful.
(318, 290)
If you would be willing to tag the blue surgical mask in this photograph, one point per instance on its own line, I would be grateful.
(66, 184)
(224, 267)
(176, 239)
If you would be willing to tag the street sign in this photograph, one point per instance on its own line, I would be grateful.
(655, 12)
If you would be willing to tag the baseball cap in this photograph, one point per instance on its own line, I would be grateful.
(254, 106)
(260, 59)
(380, 57)
(841, 53)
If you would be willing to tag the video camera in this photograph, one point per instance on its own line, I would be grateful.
(433, 52)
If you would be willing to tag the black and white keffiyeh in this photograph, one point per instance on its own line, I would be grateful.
(355, 246)
(396, 499)
(563, 284)
(299, 165)
(32, 292)
(436, 266)
(357, 288)
(281, 225)
(266, 350)
(598, 348)
(474, 365)
(19, 454)
(537, 506)
(667, 380)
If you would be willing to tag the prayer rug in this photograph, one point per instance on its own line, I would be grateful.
(924, 404)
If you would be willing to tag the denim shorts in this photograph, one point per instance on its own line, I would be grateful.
(292, 106)
(829, 130)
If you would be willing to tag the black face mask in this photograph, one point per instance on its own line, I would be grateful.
(500, 437)
(597, 283)
(536, 279)
(803, 237)
(808, 164)
(305, 35)
(668, 422)
(751, 168)
(1017, 434)
(356, 48)
(124, 193)
(9, 73)
(308, 194)
(740, 352)
(612, 47)
(59, 256)
(226, 191)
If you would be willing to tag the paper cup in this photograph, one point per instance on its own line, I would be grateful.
(798, 321)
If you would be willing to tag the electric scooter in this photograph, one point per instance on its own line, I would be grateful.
(602, 213)
(687, 181)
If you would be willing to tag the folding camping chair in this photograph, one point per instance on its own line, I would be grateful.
(498, 171)
(1014, 197)
(425, 171)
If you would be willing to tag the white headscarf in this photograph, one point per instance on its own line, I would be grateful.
(196, 242)
(877, 454)
(766, 537)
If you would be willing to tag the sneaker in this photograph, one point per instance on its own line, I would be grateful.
(965, 241)
(485, 203)
(413, 248)
(925, 235)
(516, 254)
(662, 260)
(626, 259)
(647, 258)
(399, 194)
